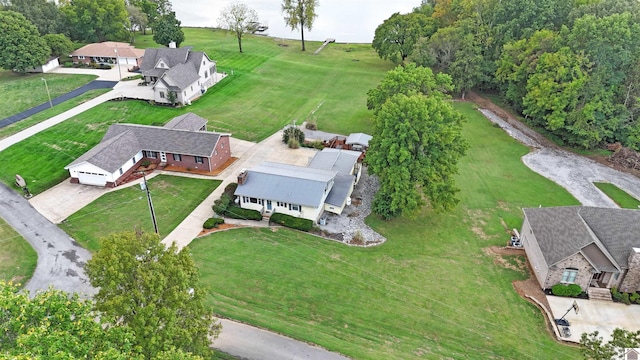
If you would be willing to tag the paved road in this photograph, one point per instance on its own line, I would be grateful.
(60, 259)
(96, 84)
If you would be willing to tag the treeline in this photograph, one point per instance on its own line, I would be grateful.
(571, 67)
(33, 30)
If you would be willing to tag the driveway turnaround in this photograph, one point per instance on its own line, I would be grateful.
(60, 259)
(603, 316)
(96, 84)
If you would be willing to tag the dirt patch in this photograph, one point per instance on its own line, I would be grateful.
(516, 260)
(220, 227)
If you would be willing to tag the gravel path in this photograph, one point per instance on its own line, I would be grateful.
(573, 172)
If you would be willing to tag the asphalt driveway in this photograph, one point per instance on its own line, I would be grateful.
(60, 259)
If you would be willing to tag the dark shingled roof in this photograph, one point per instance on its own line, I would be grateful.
(188, 121)
(184, 66)
(123, 141)
(604, 235)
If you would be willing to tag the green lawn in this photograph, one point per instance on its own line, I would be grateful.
(17, 258)
(619, 196)
(174, 197)
(429, 292)
(49, 113)
(22, 92)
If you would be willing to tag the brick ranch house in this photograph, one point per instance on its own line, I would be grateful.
(183, 142)
(587, 246)
(108, 52)
(325, 184)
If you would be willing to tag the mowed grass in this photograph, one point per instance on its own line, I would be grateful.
(619, 196)
(49, 113)
(274, 83)
(17, 259)
(174, 197)
(430, 291)
(22, 92)
(40, 159)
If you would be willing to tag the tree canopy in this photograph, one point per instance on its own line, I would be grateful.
(45, 15)
(240, 19)
(300, 14)
(96, 20)
(416, 142)
(395, 37)
(22, 46)
(152, 290)
(594, 347)
(167, 29)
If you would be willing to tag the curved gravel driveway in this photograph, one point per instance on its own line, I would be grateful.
(573, 172)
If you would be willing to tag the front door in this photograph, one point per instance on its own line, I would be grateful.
(269, 205)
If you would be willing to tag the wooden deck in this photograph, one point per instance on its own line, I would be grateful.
(325, 43)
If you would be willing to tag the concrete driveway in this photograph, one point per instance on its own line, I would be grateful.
(603, 316)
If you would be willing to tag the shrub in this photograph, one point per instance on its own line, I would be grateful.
(311, 124)
(292, 132)
(221, 205)
(236, 212)
(616, 294)
(574, 290)
(292, 221)
(560, 290)
(634, 297)
(293, 143)
(231, 189)
(145, 163)
(625, 298)
(212, 223)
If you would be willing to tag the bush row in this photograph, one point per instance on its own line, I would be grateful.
(625, 297)
(236, 212)
(571, 290)
(291, 221)
(212, 223)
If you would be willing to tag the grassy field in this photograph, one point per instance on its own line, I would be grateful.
(17, 258)
(430, 291)
(619, 196)
(22, 92)
(174, 198)
(49, 113)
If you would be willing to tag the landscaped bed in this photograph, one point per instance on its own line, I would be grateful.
(174, 197)
(429, 291)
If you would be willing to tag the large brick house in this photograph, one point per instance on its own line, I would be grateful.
(587, 246)
(183, 143)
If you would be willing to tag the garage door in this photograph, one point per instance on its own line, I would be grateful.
(92, 178)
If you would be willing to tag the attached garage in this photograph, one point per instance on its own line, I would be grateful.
(88, 178)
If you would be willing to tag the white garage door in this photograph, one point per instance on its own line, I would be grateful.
(92, 178)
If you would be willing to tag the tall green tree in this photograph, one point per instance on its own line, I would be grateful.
(240, 19)
(96, 20)
(408, 80)
(594, 347)
(59, 44)
(138, 21)
(21, 46)
(395, 37)
(415, 149)
(44, 14)
(55, 325)
(153, 290)
(167, 29)
(300, 14)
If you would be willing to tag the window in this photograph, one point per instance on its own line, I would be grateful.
(191, 87)
(199, 160)
(569, 275)
(162, 94)
(177, 157)
(133, 160)
(282, 204)
(203, 62)
(184, 93)
(121, 172)
(293, 207)
(152, 154)
(81, 57)
(206, 74)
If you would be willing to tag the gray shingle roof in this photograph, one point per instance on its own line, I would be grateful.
(564, 231)
(188, 121)
(123, 141)
(338, 160)
(184, 65)
(358, 138)
(340, 190)
(287, 183)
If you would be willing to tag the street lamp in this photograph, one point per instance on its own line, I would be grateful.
(143, 186)
(118, 63)
(48, 94)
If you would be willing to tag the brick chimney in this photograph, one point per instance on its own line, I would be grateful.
(242, 177)
(631, 281)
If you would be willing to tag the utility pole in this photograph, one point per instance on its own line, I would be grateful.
(48, 93)
(118, 63)
(144, 186)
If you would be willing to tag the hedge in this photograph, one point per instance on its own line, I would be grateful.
(236, 212)
(291, 221)
(212, 223)
(572, 290)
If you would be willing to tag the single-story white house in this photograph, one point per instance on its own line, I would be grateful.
(325, 184)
